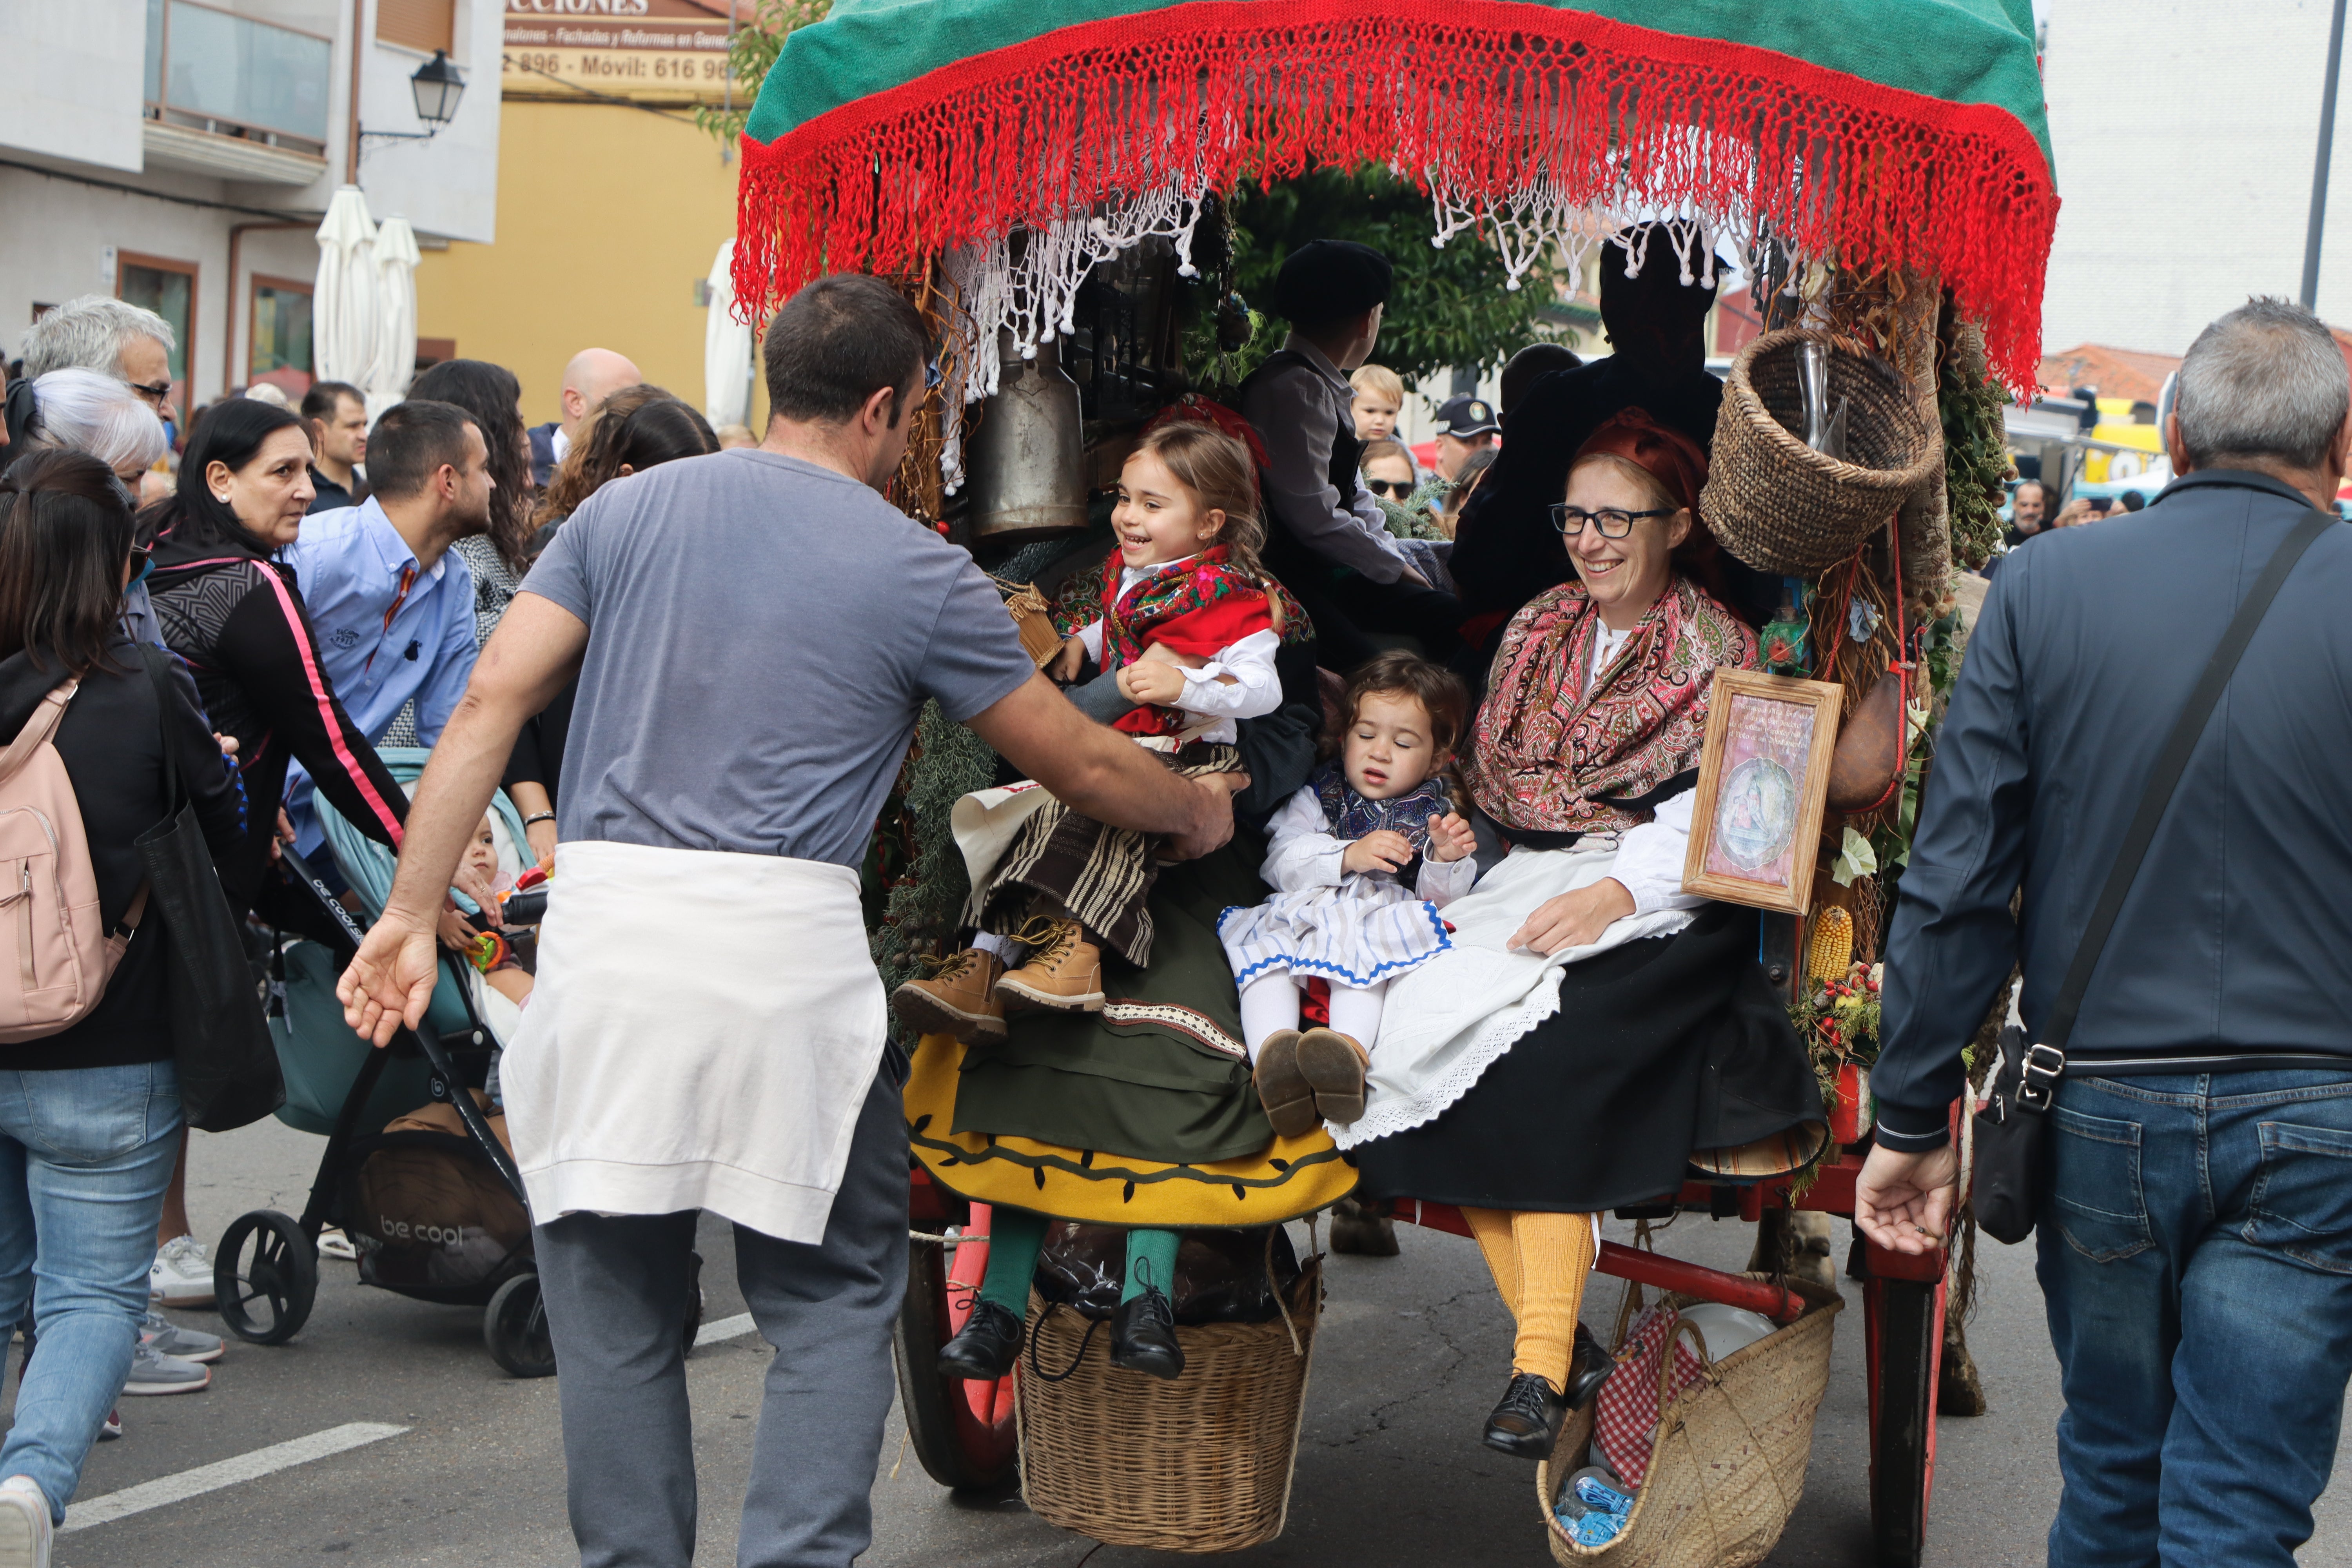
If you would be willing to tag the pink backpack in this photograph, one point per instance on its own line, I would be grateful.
(55, 955)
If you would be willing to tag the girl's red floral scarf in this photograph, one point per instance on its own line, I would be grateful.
(1546, 761)
(1195, 610)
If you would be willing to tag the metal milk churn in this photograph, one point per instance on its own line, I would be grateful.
(1027, 457)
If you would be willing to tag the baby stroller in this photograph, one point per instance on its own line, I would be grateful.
(416, 1172)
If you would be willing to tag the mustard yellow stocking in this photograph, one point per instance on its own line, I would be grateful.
(1539, 1262)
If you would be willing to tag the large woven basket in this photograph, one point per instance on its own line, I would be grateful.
(1728, 1463)
(1775, 502)
(1200, 1464)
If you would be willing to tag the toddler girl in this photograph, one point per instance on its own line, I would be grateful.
(1188, 623)
(1338, 852)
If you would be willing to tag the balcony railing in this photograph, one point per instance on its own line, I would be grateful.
(236, 76)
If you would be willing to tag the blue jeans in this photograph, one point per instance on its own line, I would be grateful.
(2196, 1258)
(85, 1155)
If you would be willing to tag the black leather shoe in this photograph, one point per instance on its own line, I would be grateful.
(1591, 1369)
(1143, 1336)
(985, 1348)
(1527, 1421)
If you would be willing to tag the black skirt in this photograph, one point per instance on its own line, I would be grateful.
(1659, 1047)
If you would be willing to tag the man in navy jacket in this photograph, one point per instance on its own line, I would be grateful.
(2195, 1232)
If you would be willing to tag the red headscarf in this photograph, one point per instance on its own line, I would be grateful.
(1677, 462)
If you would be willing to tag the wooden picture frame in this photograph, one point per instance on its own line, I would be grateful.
(1763, 786)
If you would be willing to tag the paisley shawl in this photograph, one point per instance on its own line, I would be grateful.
(1545, 760)
(1079, 602)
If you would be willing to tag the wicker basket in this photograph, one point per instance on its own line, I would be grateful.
(1730, 1460)
(1775, 502)
(1200, 1464)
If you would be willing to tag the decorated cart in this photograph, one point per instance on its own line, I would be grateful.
(1046, 179)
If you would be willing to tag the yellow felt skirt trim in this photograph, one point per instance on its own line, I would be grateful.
(1292, 1178)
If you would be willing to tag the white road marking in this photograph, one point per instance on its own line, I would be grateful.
(733, 1327)
(168, 1489)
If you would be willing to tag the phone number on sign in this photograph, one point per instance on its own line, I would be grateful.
(620, 67)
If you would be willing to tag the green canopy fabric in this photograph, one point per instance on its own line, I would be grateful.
(1906, 134)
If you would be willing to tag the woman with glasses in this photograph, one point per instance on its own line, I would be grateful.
(1399, 490)
(1591, 1026)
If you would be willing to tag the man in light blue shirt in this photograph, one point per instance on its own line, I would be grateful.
(391, 605)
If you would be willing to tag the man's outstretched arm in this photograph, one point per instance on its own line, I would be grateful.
(1105, 775)
(535, 650)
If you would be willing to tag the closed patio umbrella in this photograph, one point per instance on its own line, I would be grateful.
(394, 364)
(726, 348)
(343, 308)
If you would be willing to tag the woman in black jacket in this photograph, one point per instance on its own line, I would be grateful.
(235, 614)
(90, 1117)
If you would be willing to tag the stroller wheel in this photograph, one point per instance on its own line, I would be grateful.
(265, 1278)
(514, 1326)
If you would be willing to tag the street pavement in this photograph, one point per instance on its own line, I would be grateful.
(1412, 1352)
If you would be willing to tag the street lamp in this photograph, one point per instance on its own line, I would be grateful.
(439, 85)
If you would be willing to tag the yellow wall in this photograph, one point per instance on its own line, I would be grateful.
(606, 217)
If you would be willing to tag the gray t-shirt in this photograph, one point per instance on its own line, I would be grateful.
(762, 634)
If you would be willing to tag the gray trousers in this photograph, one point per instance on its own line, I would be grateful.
(615, 1293)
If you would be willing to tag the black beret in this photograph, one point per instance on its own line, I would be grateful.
(1327, 280)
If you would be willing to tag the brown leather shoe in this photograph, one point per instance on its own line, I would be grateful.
(1064, 973)
(959, 1000)
(1334, 1065)
(1289, 1099)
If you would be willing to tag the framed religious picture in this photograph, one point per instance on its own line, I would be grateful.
(1763, 781)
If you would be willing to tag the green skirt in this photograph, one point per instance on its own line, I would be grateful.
(1160, 1072)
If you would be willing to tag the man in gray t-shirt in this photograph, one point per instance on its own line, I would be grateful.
(754, 633)
(775, 613)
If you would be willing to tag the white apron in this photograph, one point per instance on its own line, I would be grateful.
(703, 1034)
(1449, 1020)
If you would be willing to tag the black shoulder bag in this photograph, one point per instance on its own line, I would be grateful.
(2006, 1190)
(220, 1041)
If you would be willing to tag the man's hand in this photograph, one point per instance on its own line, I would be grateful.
(1150, 681)
(1220, 788)
(1386, 850)
(1574, 920)
(391, 979)
(1063, 667)
(1904, 1202)
(1451, 838)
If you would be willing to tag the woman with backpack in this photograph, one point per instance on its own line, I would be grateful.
(89, 1113)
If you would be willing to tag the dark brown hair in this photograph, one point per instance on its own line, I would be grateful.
(1440, 692)
(65, 536)
(492, 398)
(837, 342)
(1217, 469)
(636, 427)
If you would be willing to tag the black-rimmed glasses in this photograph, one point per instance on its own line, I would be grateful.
(158, 392)
(1612, 522)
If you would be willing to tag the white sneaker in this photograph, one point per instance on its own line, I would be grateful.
(25, 1527)
(153, 1372)
(183, 1275)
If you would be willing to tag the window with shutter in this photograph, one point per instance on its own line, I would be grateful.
(427, 24)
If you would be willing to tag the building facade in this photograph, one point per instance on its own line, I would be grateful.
(179, 154)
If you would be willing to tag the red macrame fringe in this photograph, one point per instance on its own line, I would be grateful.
(1492, 91)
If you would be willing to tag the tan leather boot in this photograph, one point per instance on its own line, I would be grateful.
(1289, 1098)
(1064, 973)
(1336, 1066)
(959, 1000)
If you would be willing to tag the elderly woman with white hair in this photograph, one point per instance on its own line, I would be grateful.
(86, 411)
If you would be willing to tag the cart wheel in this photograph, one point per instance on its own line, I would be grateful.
(514, 1325)
(961, 1432)
(693, 1300)
(265, 1278)
(1905, 1325)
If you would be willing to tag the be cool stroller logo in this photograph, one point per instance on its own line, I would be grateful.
(452, 1236)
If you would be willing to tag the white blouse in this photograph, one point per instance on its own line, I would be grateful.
(1301, 853)
(1255, 691)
